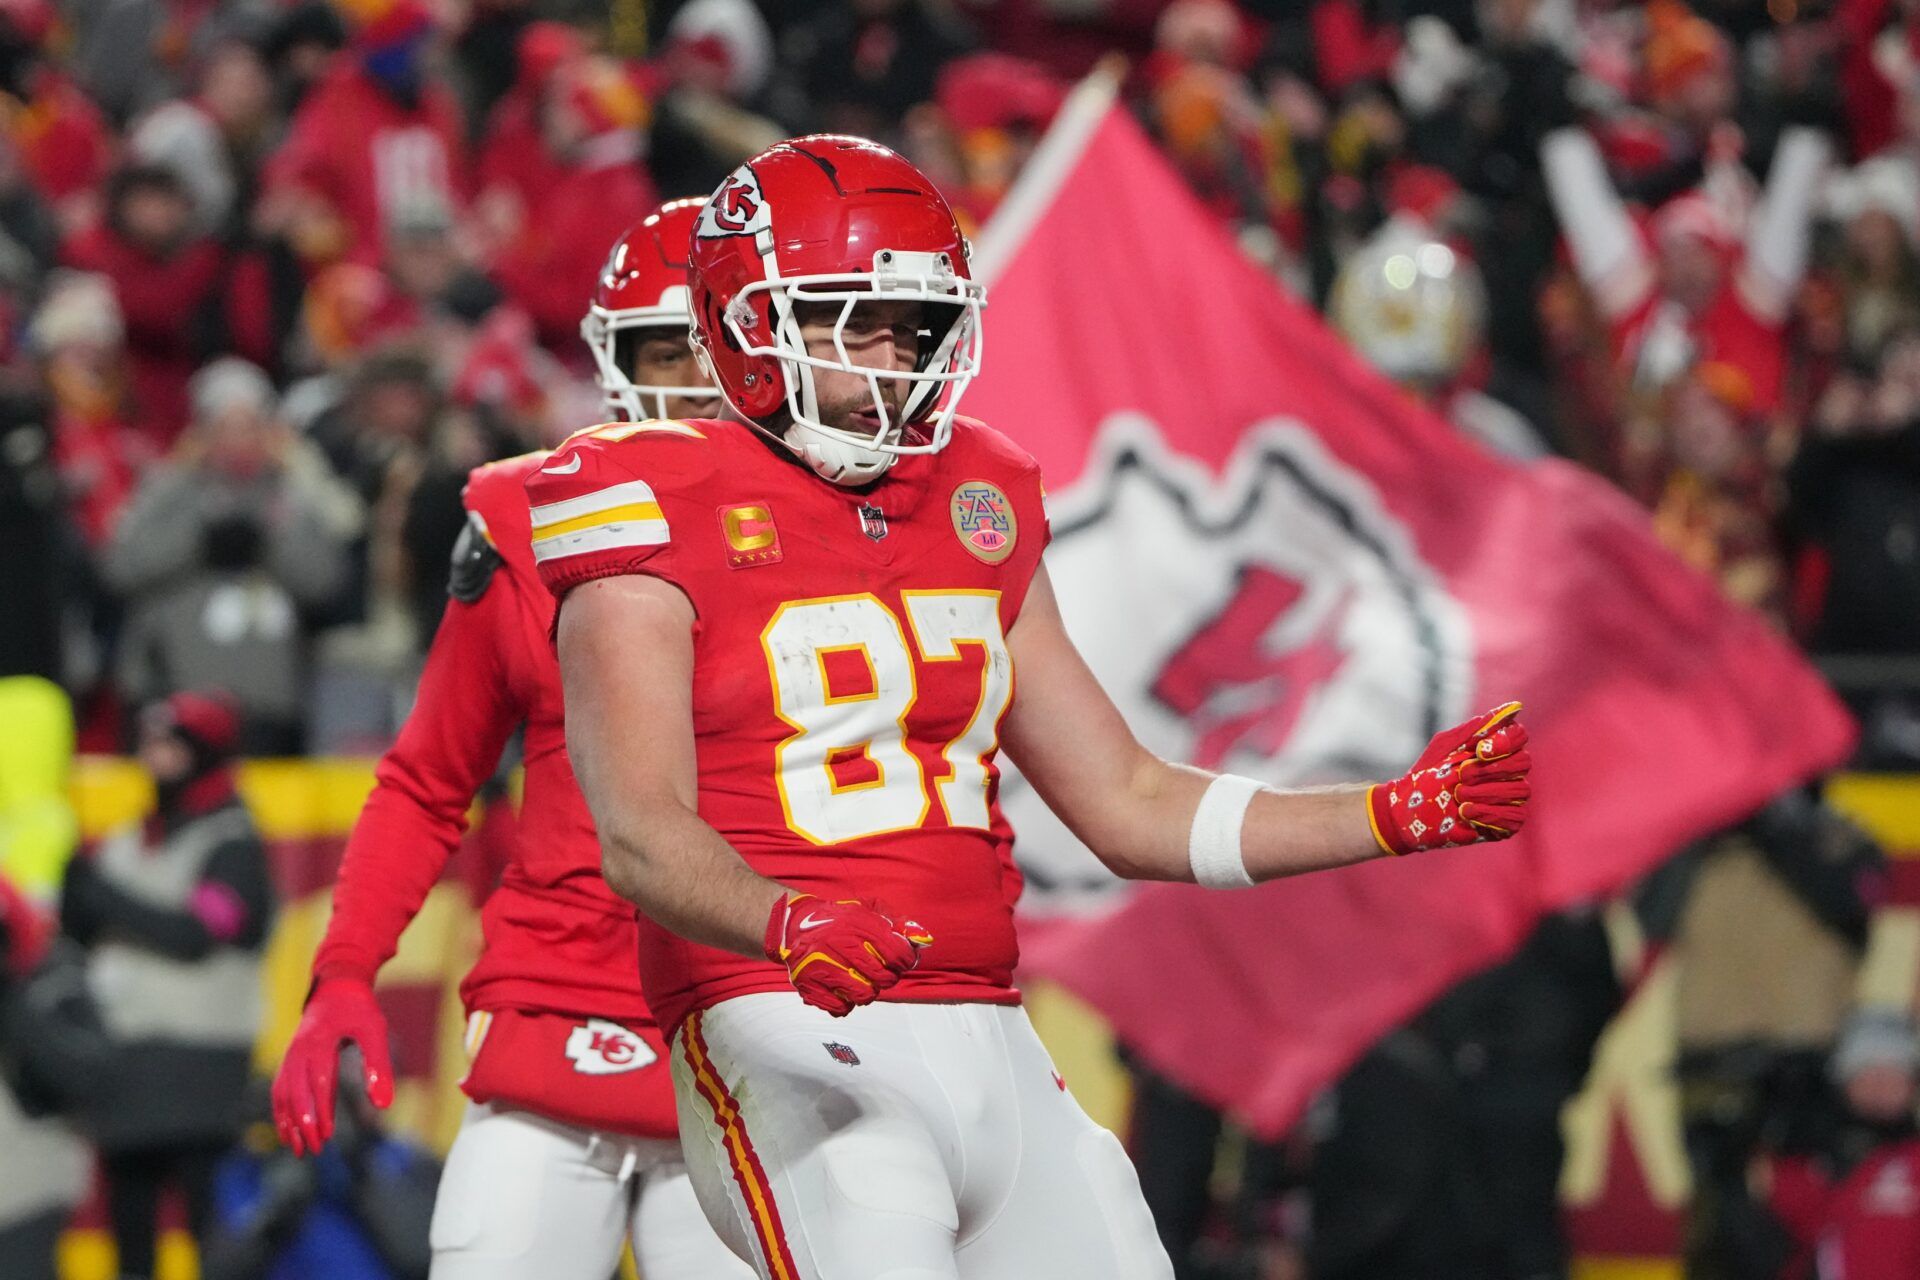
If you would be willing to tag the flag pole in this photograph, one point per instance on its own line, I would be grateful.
(1048, 168)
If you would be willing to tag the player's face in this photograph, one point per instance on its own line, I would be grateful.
(663, 358)
(877, 335)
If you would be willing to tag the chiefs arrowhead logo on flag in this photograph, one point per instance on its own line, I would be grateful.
(1281, 566)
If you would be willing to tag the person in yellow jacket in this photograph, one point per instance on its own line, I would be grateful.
(38, 829)
(43, 1166)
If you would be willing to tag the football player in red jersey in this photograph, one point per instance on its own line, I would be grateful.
(568, 1145)
(788, 649)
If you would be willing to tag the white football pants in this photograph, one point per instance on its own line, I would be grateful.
(902, 1142)
(526, 1197)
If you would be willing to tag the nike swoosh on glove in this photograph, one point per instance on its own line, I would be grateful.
(1469, 785)
(840, 955)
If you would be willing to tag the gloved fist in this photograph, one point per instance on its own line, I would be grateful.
(1469, 785)
(340, 1009)
(840, 955)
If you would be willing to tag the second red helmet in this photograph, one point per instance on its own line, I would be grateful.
(642, 288)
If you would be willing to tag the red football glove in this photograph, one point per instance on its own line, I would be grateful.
(1469, 785)
(840, 955)
(339, 1010)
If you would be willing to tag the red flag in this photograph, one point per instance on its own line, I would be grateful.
(1281, 566)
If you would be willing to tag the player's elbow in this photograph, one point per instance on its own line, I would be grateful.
(1132, 832)
(617, 869)
(626, 867)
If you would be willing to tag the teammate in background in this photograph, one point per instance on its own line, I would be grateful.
(788, 654)
(567, 1147)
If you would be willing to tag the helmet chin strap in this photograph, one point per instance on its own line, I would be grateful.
(835, 460)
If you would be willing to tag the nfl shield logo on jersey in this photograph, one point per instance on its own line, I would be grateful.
(841, 1053)
(601, 1048)
(873, 521)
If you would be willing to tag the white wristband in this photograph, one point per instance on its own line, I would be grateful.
(1213, 846)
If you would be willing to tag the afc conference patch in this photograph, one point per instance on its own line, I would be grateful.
(983, 520)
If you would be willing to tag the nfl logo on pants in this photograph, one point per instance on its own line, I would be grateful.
(841, 1053)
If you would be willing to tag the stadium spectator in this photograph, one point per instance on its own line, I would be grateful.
(1851, 1205)
(35, 574)
(79, 337)
(225, 546)
(1697, 287)
(1767, 924)
(173, 912)
(388, 412)
(590, 117)
(437, 290)
(29, 239)
(713, 81)
(862, 66)
(64, 142)
(214, 139)
(376, 134)
(1705, 463)
(168, 280)
(43, 1166)
(382, 437)
(1854, 509)
(514, 165)
(299, 48)
(1877, 204)
(988, 113)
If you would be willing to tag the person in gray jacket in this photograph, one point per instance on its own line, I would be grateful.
(174, 914)
(44, 1168)
(225, 550)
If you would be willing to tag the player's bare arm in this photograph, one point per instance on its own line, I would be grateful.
(637, 768)
(1147, 818)
(630, 737)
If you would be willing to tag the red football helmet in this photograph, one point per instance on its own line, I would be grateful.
(643, 286)
(827, 218)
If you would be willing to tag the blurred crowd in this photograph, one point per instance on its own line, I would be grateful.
(274, 275)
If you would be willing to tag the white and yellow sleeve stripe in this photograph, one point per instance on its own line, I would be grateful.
(621, 515)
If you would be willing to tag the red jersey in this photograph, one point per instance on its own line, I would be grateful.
(557, 256)
(850, 673)
(155, 295)
(1729, 331)
(371, 157)
(557, 940)
(65, 143)
(1863, 1226)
